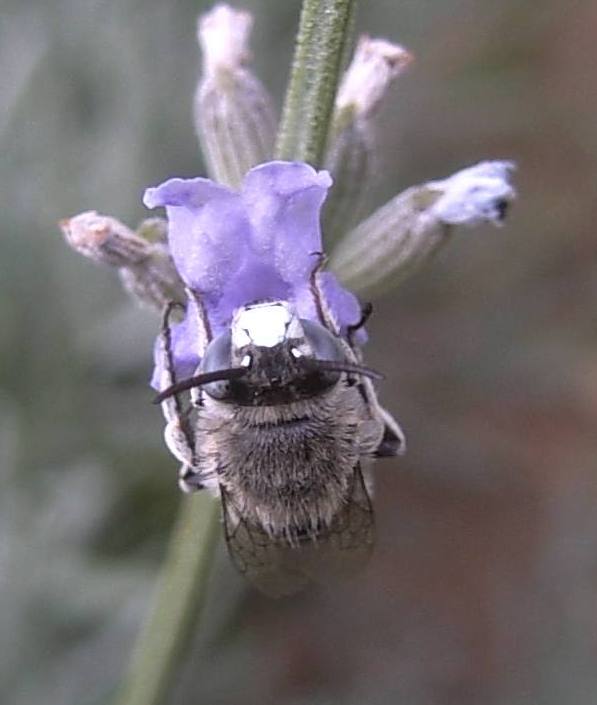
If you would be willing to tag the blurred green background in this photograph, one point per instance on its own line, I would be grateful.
(483, 588)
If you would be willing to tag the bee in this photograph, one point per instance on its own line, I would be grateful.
(283, 425)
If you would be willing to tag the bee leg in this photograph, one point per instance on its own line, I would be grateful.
(326, 316)
(189, 480)
(384, 437)
(196, 308)
(204, 335)
(387, 438)
(203, 476)
(177, 434)
(366, 311)
(324, 312)
(393, 442)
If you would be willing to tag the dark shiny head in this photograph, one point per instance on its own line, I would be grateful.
(270, 357)
(280, 353)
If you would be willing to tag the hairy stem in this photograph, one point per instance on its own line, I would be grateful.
(320, 46)
(177, 604)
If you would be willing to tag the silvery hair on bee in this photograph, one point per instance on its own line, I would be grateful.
(285, 427)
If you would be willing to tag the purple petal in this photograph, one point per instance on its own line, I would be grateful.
(185, 354)
(344, 305)
(190, 193)
(233, 249)
(304, 302)
(255, 281)
(208, 232)
(283, 202)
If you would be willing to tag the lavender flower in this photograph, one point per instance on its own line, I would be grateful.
(234, 247)
(263, 241)
(234, 114)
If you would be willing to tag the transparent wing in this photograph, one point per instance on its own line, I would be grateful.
(278, 567)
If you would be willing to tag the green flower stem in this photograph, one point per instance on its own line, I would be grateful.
(320, 47)
(180, 597)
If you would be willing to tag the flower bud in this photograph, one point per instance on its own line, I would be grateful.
(234, 116)
(376, 63)
(399, 236)
(352, 155)
(145, 268)
(104, 239)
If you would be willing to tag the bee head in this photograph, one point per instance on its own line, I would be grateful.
(270, 356)
(279, 352)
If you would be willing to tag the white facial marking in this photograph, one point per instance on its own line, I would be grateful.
(296, 353)
(264, 324)
(246, 361)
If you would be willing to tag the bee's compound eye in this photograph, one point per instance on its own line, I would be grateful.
(217, 357)
(325, 345)
(217, 354)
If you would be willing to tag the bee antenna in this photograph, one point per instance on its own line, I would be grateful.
(200, 380)
(349, 367)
